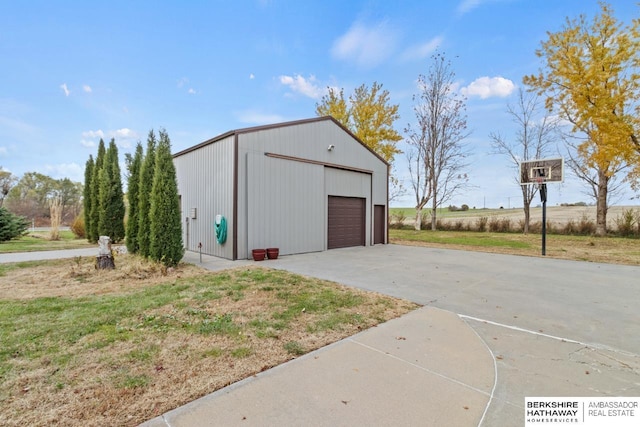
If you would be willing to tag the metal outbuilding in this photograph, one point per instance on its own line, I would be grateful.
(301, 186)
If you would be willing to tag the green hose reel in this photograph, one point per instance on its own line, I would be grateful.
(221, 229)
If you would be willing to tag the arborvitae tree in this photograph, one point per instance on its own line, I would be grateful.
(166, 228)
(87, 201)
(144, 191)
(133, 192)
(111, 218)
(92, 230)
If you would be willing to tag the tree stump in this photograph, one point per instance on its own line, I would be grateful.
(104, 260)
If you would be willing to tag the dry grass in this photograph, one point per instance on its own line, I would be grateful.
(87, 347)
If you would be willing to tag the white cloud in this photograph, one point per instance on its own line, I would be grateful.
(65, 89)
(87, 88)
(192, 91)
(93, 134)
(306, 87)
(467, 5)
(123, 133)
(421, 51)
(183, 81)
(73, 171)
(124, 137)
(257, 118)
(251, 76)
(366, 46)
(487, 87)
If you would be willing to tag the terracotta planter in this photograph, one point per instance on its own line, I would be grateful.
(272, 253)
(259, 254)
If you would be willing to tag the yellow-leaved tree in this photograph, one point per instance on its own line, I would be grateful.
(591, 80)
(369, 115)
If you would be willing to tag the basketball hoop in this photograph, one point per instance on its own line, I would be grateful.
(539, 172)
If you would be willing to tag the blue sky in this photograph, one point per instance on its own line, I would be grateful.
(72, 72)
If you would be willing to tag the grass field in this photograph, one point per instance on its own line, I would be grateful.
(87, 347)
(39, 241)
(615, 250)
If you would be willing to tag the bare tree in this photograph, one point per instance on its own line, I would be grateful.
(532, 140)
(437, 149)
(396, 185)
(7, 181)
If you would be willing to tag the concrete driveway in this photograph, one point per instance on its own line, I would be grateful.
(554, 327)
(587, 302)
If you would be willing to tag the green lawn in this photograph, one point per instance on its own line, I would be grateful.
(616, 250)
(476, 239)
(39, 241)
(98, 349)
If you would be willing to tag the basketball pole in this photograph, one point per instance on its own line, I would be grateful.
(543, 198)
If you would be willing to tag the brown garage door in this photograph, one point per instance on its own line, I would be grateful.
(346, 220)
(379, 219)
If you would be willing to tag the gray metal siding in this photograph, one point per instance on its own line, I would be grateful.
(285, 205)
(205, 182)
(291, 212)
(310, 141)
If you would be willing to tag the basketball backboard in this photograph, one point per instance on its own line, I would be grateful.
(541, 171)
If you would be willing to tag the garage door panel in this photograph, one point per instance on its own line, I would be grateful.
(346, 222)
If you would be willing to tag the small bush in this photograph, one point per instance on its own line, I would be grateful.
(397, 220)
(569, 228)
(626, 223)
(481, 223)
(586, 226)
(582, 227)
(500, 225)
(535, 227)
(425, 221)
(551, 228)
(11, 226)
(77, 227)
(454, 208)
(459, 225)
